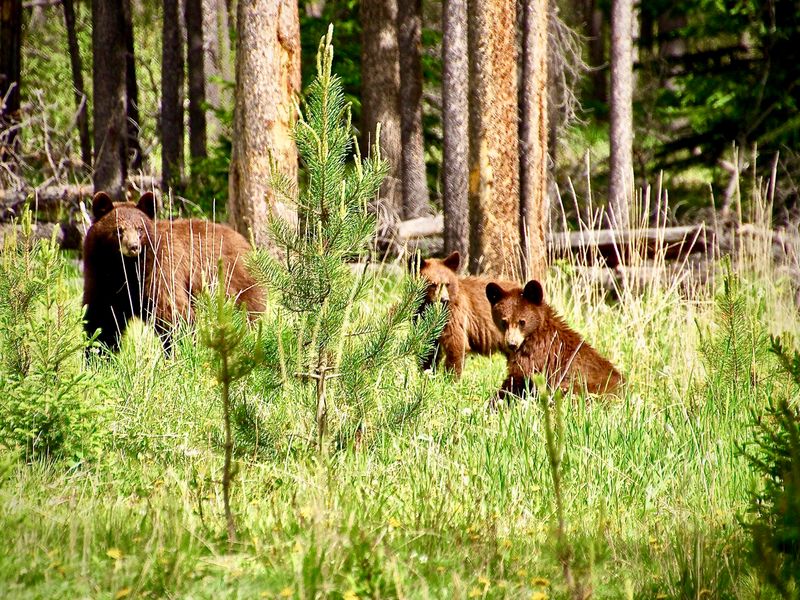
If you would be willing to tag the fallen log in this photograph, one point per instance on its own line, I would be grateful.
(608, 246)
(53, 200)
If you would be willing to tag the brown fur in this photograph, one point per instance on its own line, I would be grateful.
(469, 327)
(135, 266)
(537, 340)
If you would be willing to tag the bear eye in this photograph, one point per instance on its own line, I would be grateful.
(119, 231)
(504, 323)
(522, 323)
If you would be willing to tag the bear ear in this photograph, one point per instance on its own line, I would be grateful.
(533, 292)
(147, 204)
(452, 262)
(494, 293)
(415, 263)
(101, 205)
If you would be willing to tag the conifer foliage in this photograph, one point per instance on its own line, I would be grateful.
(342, 350)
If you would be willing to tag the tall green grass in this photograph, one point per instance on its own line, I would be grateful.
(456, 503)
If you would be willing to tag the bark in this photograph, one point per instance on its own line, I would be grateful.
(494, 158)
(132, 87)
(172, 96)
(415, 183)
(533, 139)
(81, 119)
(195, 61)
(10, 75)
(212, 34)
(597, 50)
(380, 89)
(621, 175)
(108, 77)
(455, 123)
(267, 81)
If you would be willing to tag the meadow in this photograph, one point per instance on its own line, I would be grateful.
(450, 501)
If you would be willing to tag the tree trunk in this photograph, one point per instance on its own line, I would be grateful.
(621, 175)
(132, 87)
(212, 35)
(597, 50)
(380, 89)
(10, 71)
(108, 77)
(82, 119)
(195, 61)
(455, 123)
(415, 183)
(267, 81)
(533, 138)
(494, 149)
(172, 96)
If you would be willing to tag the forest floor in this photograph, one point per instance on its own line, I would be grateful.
(456, 503)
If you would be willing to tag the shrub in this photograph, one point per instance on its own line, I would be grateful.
(49, 409)
(775, 510)
(341, 352)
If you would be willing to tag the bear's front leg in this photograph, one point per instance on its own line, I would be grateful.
(455, 346)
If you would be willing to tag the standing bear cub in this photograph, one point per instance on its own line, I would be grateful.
(539, 341)
(469, 327)
(135, 266)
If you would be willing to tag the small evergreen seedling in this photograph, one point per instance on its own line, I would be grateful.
(235, 351)
(341, 350)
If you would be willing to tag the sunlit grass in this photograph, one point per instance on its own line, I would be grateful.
(455, 504)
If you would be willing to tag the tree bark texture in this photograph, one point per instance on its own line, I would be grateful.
(82, 118)
(380, 89)
(10, 75)
(620, 185)
(195, 61)
(108, 77)
(172, 95)
(132, 87)
(409, 39)
(533, 142)
(494, 147)
(455, 123)
(267, 81)
(218, 61)
(595, 25)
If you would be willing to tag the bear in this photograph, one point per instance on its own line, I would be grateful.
(136, 266)
(537, 340)
(469, 326)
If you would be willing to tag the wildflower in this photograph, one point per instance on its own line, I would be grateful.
(540, 582)
(114, 553)
(538, 596)
(475, 592)
(350, 595)
(394, 523)
(483, 580)
(286, 592)
(123, 593)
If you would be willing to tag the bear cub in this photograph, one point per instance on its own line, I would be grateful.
(537, 340)
(469, 327)
(135, 266)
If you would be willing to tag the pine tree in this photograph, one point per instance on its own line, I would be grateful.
(339, 352)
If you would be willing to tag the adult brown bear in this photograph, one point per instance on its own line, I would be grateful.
(135, 266)
(537, 340)
(469, 327)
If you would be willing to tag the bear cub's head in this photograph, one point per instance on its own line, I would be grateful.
(127, 226)
(441, 275)
(517, 312)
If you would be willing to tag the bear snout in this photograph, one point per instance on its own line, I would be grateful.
(131, 247)
(514, 338)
